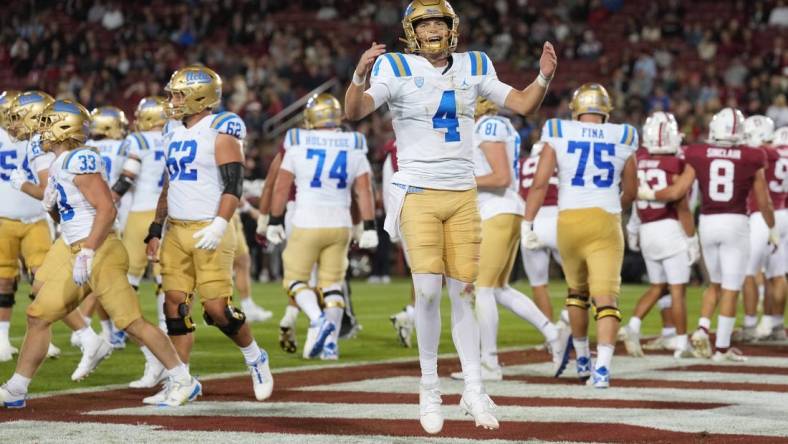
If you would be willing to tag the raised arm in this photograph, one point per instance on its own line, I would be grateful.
(528, 100)
(358, 104)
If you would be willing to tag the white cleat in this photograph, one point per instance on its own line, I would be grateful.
(430, 415)
(489, 373)
(179, 394)
(7, 352)
(154, 374)
(684, 353)
(560, 349)
(732, 355)
(256, 313)
(160, 396)
(262, 379)
(404, 327)
(10, 400)
(701, 344)
(481, 407)
(746, 334)
(91, 357)
(53, 352)
(631, 342)
(330, 352)
(76, 342)
(661, 343)
(317, 335)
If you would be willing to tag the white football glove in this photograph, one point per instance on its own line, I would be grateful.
(262, 224)
(693, 249)
(368, 239)
(646, 193)
(774, 238)
(18, 178)
(530, 240)
(276, 234)
(632, 241)
(357, 231)
(211, 236)
(82, 266)
(50, 196)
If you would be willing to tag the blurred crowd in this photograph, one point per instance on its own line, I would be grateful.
(690, 58)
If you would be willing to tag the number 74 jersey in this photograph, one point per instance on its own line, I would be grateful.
(590, 158)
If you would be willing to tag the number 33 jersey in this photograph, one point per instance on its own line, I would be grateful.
(591, 157)
(325, 164)
(433, 114)
(76, 213)
(195, 185)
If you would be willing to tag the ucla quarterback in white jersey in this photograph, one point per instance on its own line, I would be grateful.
(327, 165)
(201, 191)
(431, 91)
(597, 176)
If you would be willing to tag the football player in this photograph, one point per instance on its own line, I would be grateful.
(325, 164)
(758, 134)
(200, 194)
(726, 172)
(431, 92)
(595, 159)
(90, 257)
(774, 316)
(665, 233)
(496, 160)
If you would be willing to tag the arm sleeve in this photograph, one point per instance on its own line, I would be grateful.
(490, 87)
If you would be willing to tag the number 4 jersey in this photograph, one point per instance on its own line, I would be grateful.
(590, 157)
(325, 164)
(433, 114)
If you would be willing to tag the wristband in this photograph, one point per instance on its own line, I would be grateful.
(154, 232)
(369, 225)
(276, 220)
(543, 80)
(358, 80)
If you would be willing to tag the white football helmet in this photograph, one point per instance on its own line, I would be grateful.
(758, 130)
(661, 134)
(536, 149)
(727, 127)
(780, 137)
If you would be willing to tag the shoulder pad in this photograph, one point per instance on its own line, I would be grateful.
(481, 65)
(629, 135)
(170, 126)
(553, 128)
(292, 138)
(137, 140)
(391, 64)
(230, 124)
(360, 142)
(83, 160)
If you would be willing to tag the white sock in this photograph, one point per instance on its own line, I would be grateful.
(106, 327)
(565, 316)
(778, 321)
(4, 327)
(149, 356)
(180, 374)
(428, 324)
(134, 281)
(289, 319)
(248, 304)
(307, 302)
(604, 354)
(18, 384)
(681, 342)
(668, 331)
(487, 315)
(724, 329)
(88, 320)
(704, 323)
(465, 332)
(334, 314)
(581, 347)
(524, 307)
(634, 324)
(411, 312)
(251, 352)
(750, 321)
(160, 311)
(87, 336)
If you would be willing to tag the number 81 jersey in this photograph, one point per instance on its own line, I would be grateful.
(591, 157)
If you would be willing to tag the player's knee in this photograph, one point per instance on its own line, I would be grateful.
(7, 286)
(224, 316)
(333, 297)
(578, 300)
(182, 323)
(607, 311)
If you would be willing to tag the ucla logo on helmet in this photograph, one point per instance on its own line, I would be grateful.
(30, 98)
(197, 77)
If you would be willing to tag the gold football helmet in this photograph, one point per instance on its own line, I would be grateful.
(63, 121)
(24, 111)
(109, 122)
(428, 9)
(200, 87)
(150, 113)
(6, 98)
(322, 111)
(591, 98)
(484, 107)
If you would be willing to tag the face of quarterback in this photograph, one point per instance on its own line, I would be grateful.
(431, 32)
(177, 98)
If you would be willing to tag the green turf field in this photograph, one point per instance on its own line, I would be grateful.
(213, 353)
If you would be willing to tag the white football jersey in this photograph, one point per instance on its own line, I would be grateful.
(590, 158)
(503, 200)
(16, 204)
(148, 147)
(433, 114)
(113, 155)
(76, 213)
(325, 164)
(38, 159)
(196, 186)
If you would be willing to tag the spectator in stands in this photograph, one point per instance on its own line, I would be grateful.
(779, 15)
(778, 111)
(590, 48)
(112, 18)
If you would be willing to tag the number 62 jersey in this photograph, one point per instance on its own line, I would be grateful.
(590, 159)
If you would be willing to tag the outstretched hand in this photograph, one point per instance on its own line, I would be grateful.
(368, 58)
(549, 60)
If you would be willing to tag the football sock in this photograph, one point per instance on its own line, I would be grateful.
(428, 324)
(524, 307)
(18, 384)
(487, 315)
(4, 326)
(180, 374)
(565, 316)
(604, 354)
(289, 319)
(634, 324)
(134, 280)
(106, 327)
(307, 302)
(87, 336)
(251, 352)
(247, 304)
(681, 342)
(778, 321)
(149, 357)
(668, 331)
(724, 329)
(581, 347)
(334, 314)
(705, 324)
(465, 332)
(410, 310)
(750, 321)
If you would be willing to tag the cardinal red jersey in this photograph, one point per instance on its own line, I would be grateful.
(527, 172)
(390, 149)
(776, 178)
(725, 176)
(658, 172)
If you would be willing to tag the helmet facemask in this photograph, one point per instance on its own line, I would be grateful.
(419, 11)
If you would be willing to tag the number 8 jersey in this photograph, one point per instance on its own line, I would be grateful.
(433, 114)
(590, 159)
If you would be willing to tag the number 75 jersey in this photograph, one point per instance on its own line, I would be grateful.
(591, 158)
